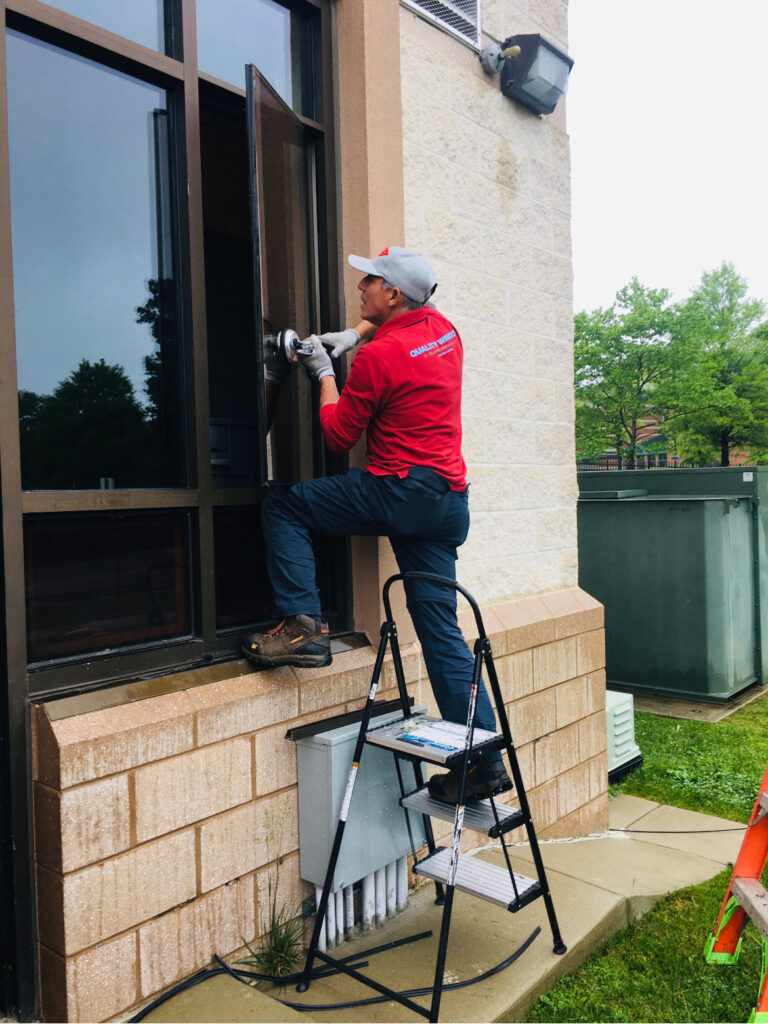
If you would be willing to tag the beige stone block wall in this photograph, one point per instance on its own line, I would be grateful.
(487, 199)
(151, 846)
(151, 822)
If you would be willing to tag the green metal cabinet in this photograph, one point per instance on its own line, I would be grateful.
(678, 558)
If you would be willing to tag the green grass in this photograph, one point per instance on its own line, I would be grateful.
(711, 767)
(655, 970)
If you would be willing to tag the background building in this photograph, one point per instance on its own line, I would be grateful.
(139, 754)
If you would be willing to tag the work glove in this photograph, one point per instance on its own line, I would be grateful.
(317, 365)
(340, 342)
(276, 366)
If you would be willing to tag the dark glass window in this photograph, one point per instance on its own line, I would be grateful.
(243, 593)
(99, 582)
(229, 303)
(95, 299)
(143, 21)
(233, 33)
(283, 179)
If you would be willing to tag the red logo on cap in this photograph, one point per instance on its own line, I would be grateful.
(384, 252)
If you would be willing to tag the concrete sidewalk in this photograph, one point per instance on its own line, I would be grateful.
(599, 886)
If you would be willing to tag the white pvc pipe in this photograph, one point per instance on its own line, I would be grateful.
(402, 883)
(381, 895)
(391, 875)
(321, 945)
(349, 911)
(339, 917)
(369, 902)
(330, 921)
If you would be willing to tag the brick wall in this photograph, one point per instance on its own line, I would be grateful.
(149, 817)
(487, 200)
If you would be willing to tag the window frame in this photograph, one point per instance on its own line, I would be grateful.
(181, 79)
(19, 687)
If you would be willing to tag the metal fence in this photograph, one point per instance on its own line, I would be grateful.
(642, 462)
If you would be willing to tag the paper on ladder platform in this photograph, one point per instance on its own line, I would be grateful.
(434, 739)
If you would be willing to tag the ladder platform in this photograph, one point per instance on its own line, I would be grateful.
(434, 740)
(478, 815)
(754, 900)
(479, 878)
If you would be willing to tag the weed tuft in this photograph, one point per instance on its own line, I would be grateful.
(281, 932)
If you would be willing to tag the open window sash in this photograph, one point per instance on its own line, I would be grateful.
(282, 198)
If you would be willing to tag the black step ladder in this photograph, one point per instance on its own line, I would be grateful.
(418, 738)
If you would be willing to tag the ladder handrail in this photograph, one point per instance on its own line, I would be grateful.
(432, 577)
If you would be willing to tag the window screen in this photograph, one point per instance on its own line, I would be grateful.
(459, 17)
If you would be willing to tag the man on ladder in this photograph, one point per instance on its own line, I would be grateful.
(404, 388)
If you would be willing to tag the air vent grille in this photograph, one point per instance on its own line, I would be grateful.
(459, 17)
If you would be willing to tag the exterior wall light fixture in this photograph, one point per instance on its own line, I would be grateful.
(534, 73)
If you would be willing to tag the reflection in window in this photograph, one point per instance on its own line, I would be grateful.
(96, 582)
(233, 33)
(143, 21)
(96, 325)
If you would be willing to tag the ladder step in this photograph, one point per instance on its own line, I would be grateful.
(478, 815)
(478, 878)
(754, 899)
(431, 739)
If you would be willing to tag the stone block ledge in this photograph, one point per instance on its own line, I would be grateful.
(82, 748)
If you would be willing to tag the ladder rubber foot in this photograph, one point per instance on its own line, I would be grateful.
(559, 948)
(302, 986)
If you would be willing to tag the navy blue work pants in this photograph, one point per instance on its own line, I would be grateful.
(425, 522)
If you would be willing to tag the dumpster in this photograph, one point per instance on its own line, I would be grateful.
(675, 556)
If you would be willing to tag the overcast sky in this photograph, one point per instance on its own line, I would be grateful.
(669, 135)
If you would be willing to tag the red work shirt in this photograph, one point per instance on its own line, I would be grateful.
(404, 387)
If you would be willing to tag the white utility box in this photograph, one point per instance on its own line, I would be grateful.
(376, 832)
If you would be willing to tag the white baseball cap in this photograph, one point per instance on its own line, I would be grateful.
(402, 268)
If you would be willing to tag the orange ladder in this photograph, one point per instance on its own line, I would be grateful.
(746, 900)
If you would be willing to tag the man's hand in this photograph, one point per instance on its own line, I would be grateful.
(318, 365)
(276, 365)
(340, 342)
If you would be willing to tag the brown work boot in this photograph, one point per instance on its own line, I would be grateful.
(298, 640)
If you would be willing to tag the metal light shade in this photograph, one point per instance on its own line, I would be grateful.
(538, 77)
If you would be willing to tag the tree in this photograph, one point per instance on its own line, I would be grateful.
(90, 427)
(159, 312)
(623, 356)
(720, 403)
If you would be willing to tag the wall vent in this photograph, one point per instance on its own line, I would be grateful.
(623, 752)
(461, 18)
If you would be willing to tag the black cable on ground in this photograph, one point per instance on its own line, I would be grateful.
(409, 993)
(224, 968)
